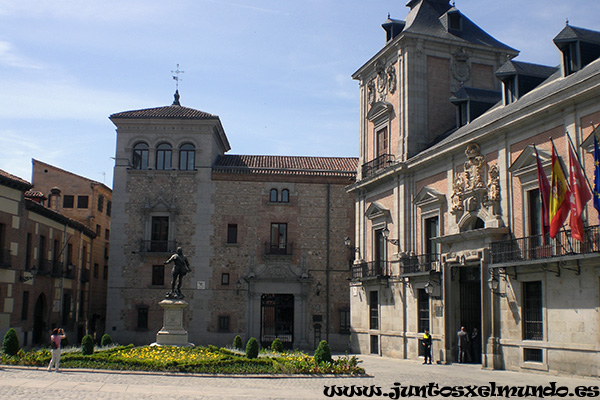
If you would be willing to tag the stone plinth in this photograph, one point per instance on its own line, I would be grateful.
(172, 332)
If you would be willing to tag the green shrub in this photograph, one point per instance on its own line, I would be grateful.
(252, 348)
(106, 340)
(237, 342)
(87, 345)
(277, 346)
(10, 344)
(323, 353)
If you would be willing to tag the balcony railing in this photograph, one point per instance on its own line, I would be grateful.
(279, 249)
(377, 164)
(421, 263)
(158, 246)
(44, 267)
(5, 258)
(371, 269)
(532, 248)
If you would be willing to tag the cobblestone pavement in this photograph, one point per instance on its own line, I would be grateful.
(36, 383)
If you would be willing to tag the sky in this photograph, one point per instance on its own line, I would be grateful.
(276, 72)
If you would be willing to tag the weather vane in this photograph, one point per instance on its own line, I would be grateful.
(176, 77)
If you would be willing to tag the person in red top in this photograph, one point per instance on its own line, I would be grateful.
(57, 335)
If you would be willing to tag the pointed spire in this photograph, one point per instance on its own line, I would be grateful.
(176, 101)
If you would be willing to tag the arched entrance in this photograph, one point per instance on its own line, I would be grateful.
(39, 320)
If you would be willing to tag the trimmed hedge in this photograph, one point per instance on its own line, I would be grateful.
(87, 345)
(106, 340)
(237, 343)
(252, 348)
(323, 352)
(277, 346)
(10, 344)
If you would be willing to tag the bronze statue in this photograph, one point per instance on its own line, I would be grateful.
(181, 266)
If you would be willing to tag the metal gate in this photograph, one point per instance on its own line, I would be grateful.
(470, 307)
(277, 319)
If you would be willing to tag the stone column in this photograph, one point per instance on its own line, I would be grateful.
(172, 333)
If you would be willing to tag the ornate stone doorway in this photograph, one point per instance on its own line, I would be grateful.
(470, 307)
(277, 319)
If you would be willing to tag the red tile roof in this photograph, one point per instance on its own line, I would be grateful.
(287, 165)
(14, 181)
(167, 112)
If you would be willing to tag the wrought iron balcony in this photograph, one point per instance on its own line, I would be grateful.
(531, 248)
(377, 164)
(371, 269)
(44, 267)
(421, 263)
(158, 246)
(279, 249)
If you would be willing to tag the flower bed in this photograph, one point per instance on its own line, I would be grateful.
(209, 360)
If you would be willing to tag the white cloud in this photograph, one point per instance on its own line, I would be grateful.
(11, 58)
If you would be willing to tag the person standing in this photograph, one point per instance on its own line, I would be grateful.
(463, 344)
(427, 346)
(57, 335)
(475, 346)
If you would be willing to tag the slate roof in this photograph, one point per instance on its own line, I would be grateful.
(167, 112)
(430, 17)
(287, 165)
(572, 33)
(555, 84)
(474, 94)
(523, 68)
(14, 181)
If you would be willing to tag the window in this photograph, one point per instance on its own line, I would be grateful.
(70, 254)
(96, 270)
(533, 322)
(533, 355)
(274, 196)
(108, 207)
(285, 196)
(163, 156)
(232, 230)
(106, 252)
(42, 253)
(454, 21)
(98, 230)
(423, 300)
(140, 156)
(142, 317)
(225, 278)
(25, 305)
(223, 323)
(158, 275)
(82, 201)
(345, 320)
(373, 310)
(107, 234)
(278, 239)
(160, 234)
(68, 201)
(186, 157)
(105, 273)
(56, 251)
(100, 203)
(382, 142)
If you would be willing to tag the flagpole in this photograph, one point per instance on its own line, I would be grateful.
(578, 160)
(569, 187)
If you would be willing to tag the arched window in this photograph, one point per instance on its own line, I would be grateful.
(273, 198)
(186, 157)
(140, 156)
(285, 196)
(163, 156)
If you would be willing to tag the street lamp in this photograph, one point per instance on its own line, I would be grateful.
(386, 234)
(429, 288)
(319, 288)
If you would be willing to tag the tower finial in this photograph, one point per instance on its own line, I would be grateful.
(176, 77)
(567, 22)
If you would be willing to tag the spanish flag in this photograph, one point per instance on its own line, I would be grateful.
(559, 196)
(580, 195)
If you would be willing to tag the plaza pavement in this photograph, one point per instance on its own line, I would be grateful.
(80, 384)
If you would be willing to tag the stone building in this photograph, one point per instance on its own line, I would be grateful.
(448, 221)
(264, 235)
(90, 203)
(44, 266)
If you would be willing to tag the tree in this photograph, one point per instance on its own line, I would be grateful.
(10, 344)
(87, 345)
(252, 348)
(323, 352)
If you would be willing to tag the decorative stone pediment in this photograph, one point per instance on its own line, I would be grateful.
(278, 271)
(527, 163)
(160, 204)
(375, 211)
(428, 197)
(476, 192)
(380, 109)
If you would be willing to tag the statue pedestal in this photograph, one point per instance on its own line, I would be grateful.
(172, 332)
